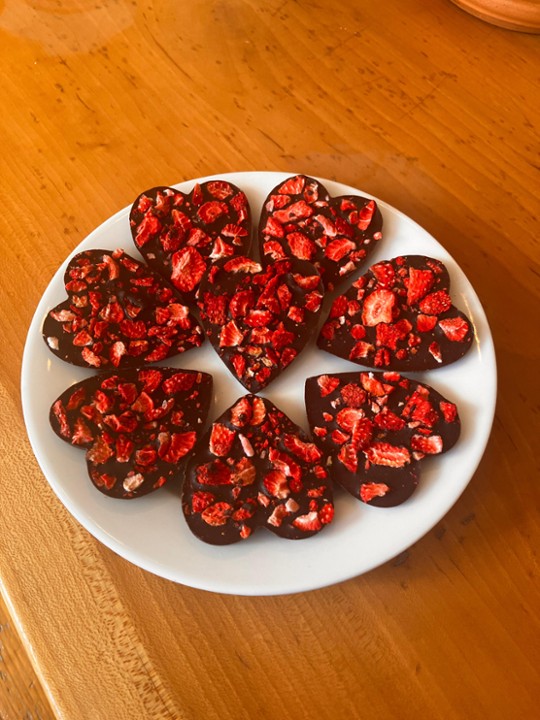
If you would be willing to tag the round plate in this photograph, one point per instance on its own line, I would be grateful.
(151, 532)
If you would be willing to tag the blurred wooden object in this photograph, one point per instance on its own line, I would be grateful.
(21, 694)
(416, 103)
(521, 15)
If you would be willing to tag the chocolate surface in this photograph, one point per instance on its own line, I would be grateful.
(180, 235)
(138, 426)
(256, 468)
(376, 427)
(259, 319)
(300, 219)
(398, 316)
(119, 313)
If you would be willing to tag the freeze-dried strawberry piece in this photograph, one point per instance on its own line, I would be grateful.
(180, 234)
(268, 474)
(255, 333)
(299, 219)
(376, 427)
(398, 316)
(120, 315)
(221, 439)
(138, 426)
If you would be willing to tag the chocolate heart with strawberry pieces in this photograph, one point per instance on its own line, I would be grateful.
(119, 313)
(376, 427)
(398, 316)
(256, 468)
(300, 219)
(180, 235)
(259, 319)
(138, 426)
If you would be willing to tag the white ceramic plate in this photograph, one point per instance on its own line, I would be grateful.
(151, 532)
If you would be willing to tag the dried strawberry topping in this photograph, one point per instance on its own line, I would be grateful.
(376, 427)
(179, 234)
(399, 315)
(267, 473)
(259, 319)
(121, 315)
(301, 220)
(138, 426)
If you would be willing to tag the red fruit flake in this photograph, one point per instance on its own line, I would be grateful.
(230, 336)
(188, 268)
(378, 307)
(436, 303)
(276, 484)
(449, 411)
(308, 523)
(420, 283)
(301, 246)
(431, 445)
(221, 439)
(327, 384)
(326, 514)
(455, 329)
(349, 457)
(217, 514)
(201, 500)
(371, 490)
(383, 453)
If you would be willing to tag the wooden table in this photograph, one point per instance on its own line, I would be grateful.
(417, 103)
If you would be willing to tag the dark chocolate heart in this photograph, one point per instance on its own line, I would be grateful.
(259, 319)
(376, 427)
(300, 219)
(398, 316)
(256, 468)
(119, 313)
(138, 426)
(179, 234)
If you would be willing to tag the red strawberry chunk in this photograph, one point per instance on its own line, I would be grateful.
(371, 490)
(384, 453)
(436, 303)
(431, 445)
(308, 523)
(301, 246)
(378, 307)
(455, 329)
(338, 249)
(188, 268)
(230, 335)
(327, 384)
(221, 439)
(349, 457)
(420, 283)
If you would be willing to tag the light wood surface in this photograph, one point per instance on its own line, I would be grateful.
(417, 103)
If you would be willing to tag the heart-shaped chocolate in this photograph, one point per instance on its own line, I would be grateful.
(119, 313)
(376, 427)
(256, 468)
(138, 426)
(300, 219)
(398, 316)
(180, 235)
(259, 319)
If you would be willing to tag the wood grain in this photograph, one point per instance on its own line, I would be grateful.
(21, 694)
(426, 108)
